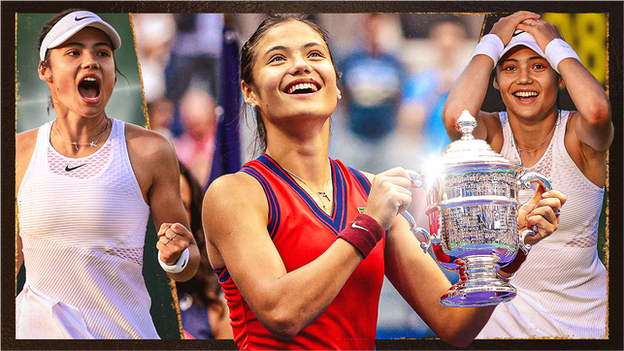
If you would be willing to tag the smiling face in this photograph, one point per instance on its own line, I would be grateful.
(293, 74)
(527, 83)
(81, 73)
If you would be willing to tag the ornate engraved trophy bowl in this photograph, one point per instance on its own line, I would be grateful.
(472, 210)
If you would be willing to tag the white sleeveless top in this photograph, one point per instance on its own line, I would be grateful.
(82, 222)
(562, 285)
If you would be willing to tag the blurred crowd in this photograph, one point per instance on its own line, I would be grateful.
(396, 69)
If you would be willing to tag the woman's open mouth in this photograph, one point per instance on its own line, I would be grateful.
(526, 94)
(302, 88)
(89, 89)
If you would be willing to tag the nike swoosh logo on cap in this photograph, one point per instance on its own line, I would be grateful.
(81, 18)
(69, 169)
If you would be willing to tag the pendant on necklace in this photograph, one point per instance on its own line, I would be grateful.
(322, 193)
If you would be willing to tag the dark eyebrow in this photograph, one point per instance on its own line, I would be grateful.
(281, 47)
(103, 43)
(535, 57)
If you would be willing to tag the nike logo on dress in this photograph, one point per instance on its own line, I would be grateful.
(69, 169)
(357, 226)
(81, 18)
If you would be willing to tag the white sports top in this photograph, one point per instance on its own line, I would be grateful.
(82, 223)
(562, 285)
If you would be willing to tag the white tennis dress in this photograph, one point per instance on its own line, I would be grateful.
(82, 222)
(562, 285)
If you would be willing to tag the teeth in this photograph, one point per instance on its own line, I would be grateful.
(302, 86)
(526, 94)
(89, 79)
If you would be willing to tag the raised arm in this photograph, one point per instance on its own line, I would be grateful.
(156, 167)
(590, 131)
(468, 91)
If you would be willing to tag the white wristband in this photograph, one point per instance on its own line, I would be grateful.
(558, 50)
(491, 46)
(179, 265)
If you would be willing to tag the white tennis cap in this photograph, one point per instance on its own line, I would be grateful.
(521, 37)
(71, 24)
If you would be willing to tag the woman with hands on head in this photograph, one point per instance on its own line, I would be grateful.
(300, 241)
(562, 284)
(86, 184)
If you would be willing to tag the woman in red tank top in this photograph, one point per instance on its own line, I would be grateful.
(289, 80)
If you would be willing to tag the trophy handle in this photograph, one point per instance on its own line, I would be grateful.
(421, 234)
(424, 237)
(416, 178)
(524, 182)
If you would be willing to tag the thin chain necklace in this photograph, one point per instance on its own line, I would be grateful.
(319, 193)
(75, 143)
(542, 143)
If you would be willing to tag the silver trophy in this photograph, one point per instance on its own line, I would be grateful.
(471, 206)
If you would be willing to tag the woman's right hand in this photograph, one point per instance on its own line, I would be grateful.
(506, 26)
(390, 195)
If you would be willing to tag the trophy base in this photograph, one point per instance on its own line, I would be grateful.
(481, 286)
(466, 294)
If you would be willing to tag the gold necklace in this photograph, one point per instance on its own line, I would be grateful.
(319, 193)
(75, 143)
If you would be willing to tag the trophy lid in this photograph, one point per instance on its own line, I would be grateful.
(471, 151)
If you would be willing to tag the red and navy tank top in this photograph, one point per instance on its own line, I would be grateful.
(301, 232)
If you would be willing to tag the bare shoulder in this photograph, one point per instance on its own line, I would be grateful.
(25, 142)
(24, 147)
(233, 204)
(152, 156)
(146, 142)
(149, 150)
(236, 189)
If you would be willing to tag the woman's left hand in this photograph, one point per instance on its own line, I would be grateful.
(542, 31)
(173, 239)
(541, 214)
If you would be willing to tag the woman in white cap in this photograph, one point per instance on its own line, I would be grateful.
(86, 184)
(561, 286)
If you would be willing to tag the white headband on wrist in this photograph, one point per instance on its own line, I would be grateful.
(491, 46)
(558, 50)
(179, 265)
(71, 24)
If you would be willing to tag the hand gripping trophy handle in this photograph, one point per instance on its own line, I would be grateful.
(472, 207)
(426, 240)
(524, 182)
(468, 293)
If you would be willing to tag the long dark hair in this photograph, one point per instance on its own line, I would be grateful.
(249, 55)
